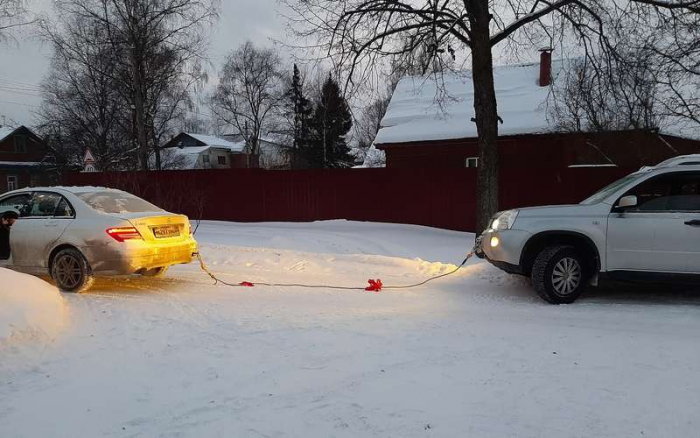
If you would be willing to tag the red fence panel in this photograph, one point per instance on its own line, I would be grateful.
(442, 198)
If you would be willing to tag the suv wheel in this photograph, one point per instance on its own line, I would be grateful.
(71, 271)
(559, 274)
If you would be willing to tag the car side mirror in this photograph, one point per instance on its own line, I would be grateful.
(627, 202)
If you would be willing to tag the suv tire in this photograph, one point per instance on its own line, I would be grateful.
(71, 271)
(559, 274)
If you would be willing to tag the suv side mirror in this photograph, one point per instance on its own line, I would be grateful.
(627, 202)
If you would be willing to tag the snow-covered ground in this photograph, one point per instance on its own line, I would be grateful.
(475, 354)
(30, 309)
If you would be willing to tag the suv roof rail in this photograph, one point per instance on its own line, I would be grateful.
(682, 160)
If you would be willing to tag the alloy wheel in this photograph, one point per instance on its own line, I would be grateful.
(68, 272)
(566, 276)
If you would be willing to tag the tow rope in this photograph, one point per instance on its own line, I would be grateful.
(374, 285)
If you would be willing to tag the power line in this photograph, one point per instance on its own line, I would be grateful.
(19, 83)
(19, 103)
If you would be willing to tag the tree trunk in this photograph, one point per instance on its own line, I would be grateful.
(139, 104)
(156, 148)
(486, 113)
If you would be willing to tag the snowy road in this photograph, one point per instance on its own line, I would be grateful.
(475, 354)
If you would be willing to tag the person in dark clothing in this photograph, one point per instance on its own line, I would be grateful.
(6, 221)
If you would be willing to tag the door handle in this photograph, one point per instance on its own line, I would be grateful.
(693, 223)
(51, 224)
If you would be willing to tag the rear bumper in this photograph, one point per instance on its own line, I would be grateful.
(133, 257)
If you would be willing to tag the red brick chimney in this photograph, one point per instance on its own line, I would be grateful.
(545, 67)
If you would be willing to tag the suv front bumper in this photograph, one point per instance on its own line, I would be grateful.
(503, 248)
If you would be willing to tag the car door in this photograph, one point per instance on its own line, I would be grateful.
(14, 202)
(40, 226)
(659, 233)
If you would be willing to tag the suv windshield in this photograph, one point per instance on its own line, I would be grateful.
(116, 202)
(610, 189)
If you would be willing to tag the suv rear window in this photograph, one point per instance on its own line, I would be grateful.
(116, 202)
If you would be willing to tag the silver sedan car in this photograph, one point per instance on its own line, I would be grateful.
(76, 233)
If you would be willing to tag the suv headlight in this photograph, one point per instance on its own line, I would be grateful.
(504, 220)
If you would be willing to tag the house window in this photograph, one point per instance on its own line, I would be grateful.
(20, 144)
(205, 159)
(222, 160)
(11, 183)
(472, 162)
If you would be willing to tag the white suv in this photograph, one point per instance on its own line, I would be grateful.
(645, 226)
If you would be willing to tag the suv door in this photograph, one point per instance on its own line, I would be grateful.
(41, 224)
(660, 233)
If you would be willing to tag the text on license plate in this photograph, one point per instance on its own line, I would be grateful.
(167, 231)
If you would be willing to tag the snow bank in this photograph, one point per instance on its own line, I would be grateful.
(29, 307)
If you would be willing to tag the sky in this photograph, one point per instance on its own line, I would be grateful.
(25, 60)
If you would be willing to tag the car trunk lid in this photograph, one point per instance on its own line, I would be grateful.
(161, 227)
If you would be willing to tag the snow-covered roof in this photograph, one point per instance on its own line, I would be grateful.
(188, 156)
(211, 140)
(423, 109)
(417, 113)
(21, 163)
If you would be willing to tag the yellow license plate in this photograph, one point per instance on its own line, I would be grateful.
(168, 231)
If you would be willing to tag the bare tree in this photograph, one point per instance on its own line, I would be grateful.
(250, 94)
(82, 106)
(359, 34)
(13, 14)
(161, 42)
(368, 123)
(618, 95)
(674, 50)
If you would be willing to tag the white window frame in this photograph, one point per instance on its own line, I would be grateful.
(469, 160)
(12, 182)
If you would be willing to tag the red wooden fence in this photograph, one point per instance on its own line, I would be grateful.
(442, 198)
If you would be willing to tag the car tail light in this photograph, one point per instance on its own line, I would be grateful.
(120, 234)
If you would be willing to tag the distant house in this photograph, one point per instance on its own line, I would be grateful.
(198, 151)
(23, 160)
(271, 154)
(416, 132)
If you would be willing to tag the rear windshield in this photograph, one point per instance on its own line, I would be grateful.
(116, 202)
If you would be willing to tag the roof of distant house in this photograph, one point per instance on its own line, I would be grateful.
(423, 109)
(205, 141)
(211, 140)
(5, 131)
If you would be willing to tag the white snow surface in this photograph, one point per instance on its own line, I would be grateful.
(30, 309)
(211, 140)
(20, 163)
(474, 354)
(428, 109)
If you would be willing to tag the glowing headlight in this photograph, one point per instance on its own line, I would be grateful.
(504, 220)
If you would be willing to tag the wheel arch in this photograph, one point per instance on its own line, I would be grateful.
(58, 249)
(542, 240)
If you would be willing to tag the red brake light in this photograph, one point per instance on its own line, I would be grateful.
(121, 234)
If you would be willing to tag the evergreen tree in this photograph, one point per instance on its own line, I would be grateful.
(302, 112)
(330, 124)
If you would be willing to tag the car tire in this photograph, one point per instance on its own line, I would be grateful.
(559, 274)
(155, 272)
(71, 271)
